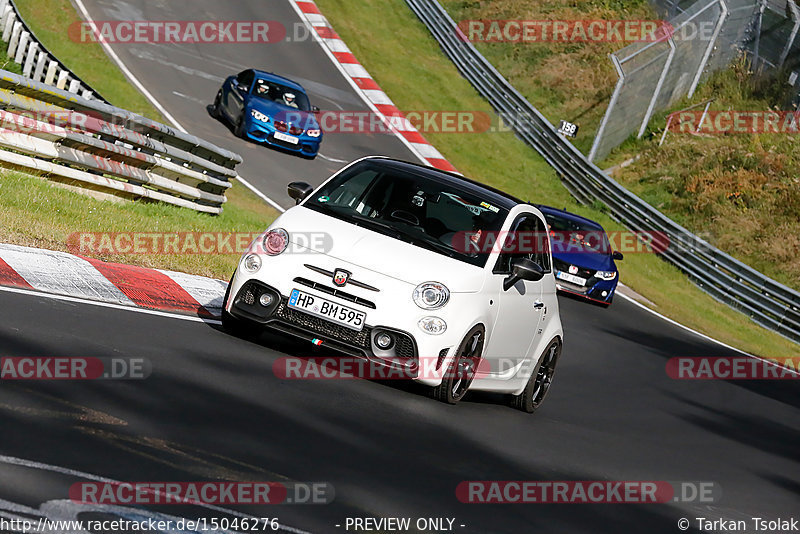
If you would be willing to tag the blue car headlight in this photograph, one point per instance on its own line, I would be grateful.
(606, 275)
(314, 133)
(258, 115)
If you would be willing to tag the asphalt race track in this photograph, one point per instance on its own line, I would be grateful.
(213, 409)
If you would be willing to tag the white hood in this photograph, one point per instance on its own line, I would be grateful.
(376, 252)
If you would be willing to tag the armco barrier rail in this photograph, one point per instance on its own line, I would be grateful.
(766, 301)
(99, 146)
(36, 61)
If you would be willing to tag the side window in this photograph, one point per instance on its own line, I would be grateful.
(245, 78)
(527, 239)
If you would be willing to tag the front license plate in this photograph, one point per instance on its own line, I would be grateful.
(571, 278)
(287, 138)
(326, 309)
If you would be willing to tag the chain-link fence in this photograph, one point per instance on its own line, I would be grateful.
(703, 37)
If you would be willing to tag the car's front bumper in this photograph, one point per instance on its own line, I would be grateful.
(403, 357)
(601, 291)
(265, 134)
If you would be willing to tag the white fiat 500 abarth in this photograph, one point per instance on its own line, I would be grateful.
(411, 268)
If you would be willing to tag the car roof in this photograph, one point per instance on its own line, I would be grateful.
(491, 194)
(280, 79)
(567, 215)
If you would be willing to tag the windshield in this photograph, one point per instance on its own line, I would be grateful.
(570, 235)
(286, 96)
(415, 208)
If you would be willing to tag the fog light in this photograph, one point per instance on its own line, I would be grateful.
(384, 341)
(432, 325)
(265, 299)
(252, 263)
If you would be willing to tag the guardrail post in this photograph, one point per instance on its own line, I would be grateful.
(659, 85)
(74, 86)
(8, 24)
(41, 61)
(51, 72)
(24, 37)
(63, 76)
(617, 89)
(30, 56)
(707, 54)
(12, 44)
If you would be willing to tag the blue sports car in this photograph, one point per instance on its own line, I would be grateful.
(582, 256)
(270, 109)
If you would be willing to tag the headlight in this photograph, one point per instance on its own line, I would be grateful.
(275, 241)
(431, 295)
(606, 275)
(258, 115)
(251, 263)
(432, 325)
(314, 133)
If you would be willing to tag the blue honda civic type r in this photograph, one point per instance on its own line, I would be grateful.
(583, 260)
(269, 109)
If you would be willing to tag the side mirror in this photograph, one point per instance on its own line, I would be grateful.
(617, 255)
(243, 87)
(523, 269)
(299, 191)
(315, 110)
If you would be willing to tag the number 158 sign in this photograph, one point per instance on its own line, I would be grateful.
(568, 129)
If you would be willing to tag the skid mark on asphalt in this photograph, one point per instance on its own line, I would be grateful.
(149, 56)
(54, 408)
(199, 463)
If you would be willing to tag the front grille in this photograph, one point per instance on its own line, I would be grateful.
(404, 346)
(442, 356)
(335, 292)
(322, 327)
(247, 301)
(564, 266)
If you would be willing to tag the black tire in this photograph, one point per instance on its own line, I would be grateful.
(216, 112)
(540, 381)
(461, 372)
(238, 130)
(234, 325)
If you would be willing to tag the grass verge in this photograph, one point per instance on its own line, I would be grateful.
(572, 81)
(385, 36)
(38, 213)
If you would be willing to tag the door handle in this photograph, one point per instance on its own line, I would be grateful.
(538, 305)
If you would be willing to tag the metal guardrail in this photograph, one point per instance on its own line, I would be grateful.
(767, 302)
(36, 61)
(102, 147)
